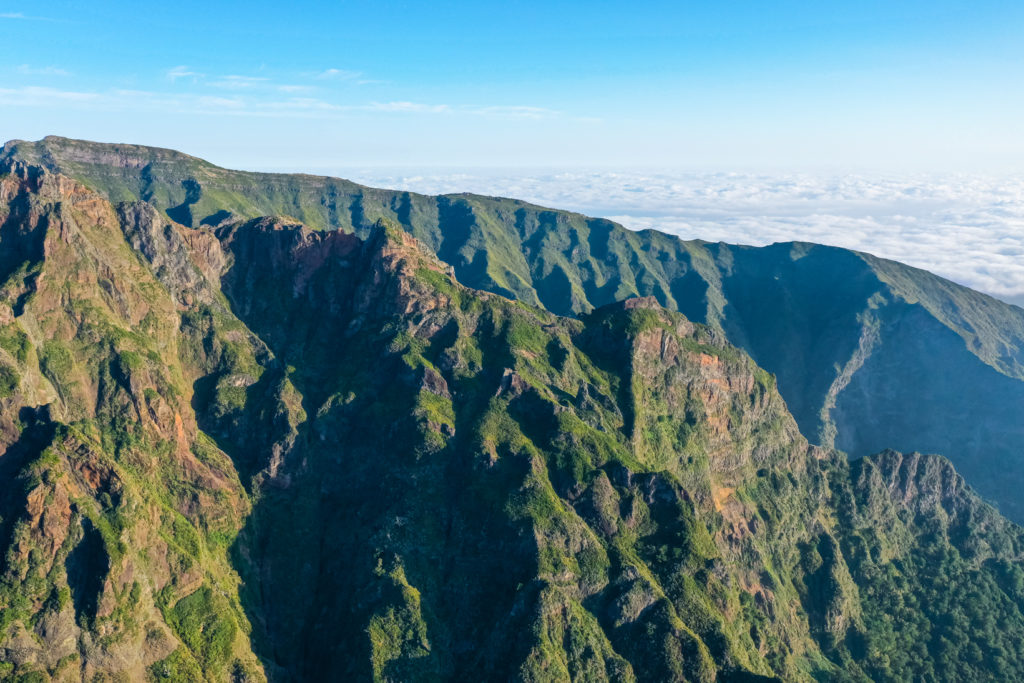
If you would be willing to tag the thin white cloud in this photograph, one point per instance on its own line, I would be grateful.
(249, 96)
(42, 70)
(22, 16)
(306, 104)
(234, 82)
(418, 107)
(220, 102)
(242, 83)
(496, 111)
(184, 103)
(35, 95)
(337, 75)
(177, 72)
(516, 112)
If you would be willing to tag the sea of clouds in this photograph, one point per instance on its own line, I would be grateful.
(969, 229)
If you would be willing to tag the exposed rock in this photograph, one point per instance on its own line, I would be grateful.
(280, 452)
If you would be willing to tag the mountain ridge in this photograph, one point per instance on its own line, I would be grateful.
(846, 339)
(215, 481)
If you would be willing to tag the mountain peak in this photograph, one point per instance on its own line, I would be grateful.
(832, 325)
(641, 303)
(271, 451)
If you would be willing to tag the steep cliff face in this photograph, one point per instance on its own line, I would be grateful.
(117, 509)
(257, 450)
(932, 563)
(868, 353)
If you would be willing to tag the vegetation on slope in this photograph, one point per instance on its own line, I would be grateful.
(943, 366)
(258, 450)
(117, 510)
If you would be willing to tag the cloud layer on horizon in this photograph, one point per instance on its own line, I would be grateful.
(969, 229)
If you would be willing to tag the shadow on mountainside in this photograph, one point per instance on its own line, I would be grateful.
(364, 526)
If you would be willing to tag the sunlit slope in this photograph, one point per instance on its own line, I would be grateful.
(263, 451)
(868, 353)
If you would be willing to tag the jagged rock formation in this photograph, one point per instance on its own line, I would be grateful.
(116, 509)
(253, 450)
(869, 354)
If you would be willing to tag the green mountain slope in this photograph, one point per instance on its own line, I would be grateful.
(262, 451)
(869, 354)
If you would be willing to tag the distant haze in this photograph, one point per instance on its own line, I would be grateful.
(969, 229)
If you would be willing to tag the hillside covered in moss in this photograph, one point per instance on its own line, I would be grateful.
(869, 354)
(251, 450)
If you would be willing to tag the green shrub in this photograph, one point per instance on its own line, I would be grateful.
(525, 334)
(9, 381)
(56, 362)
(178, 667)
(204, 623)
(16, 343)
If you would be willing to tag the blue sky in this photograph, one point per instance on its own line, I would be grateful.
(838, 85)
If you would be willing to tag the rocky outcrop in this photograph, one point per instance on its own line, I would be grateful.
(258, 451)
(868, 353)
